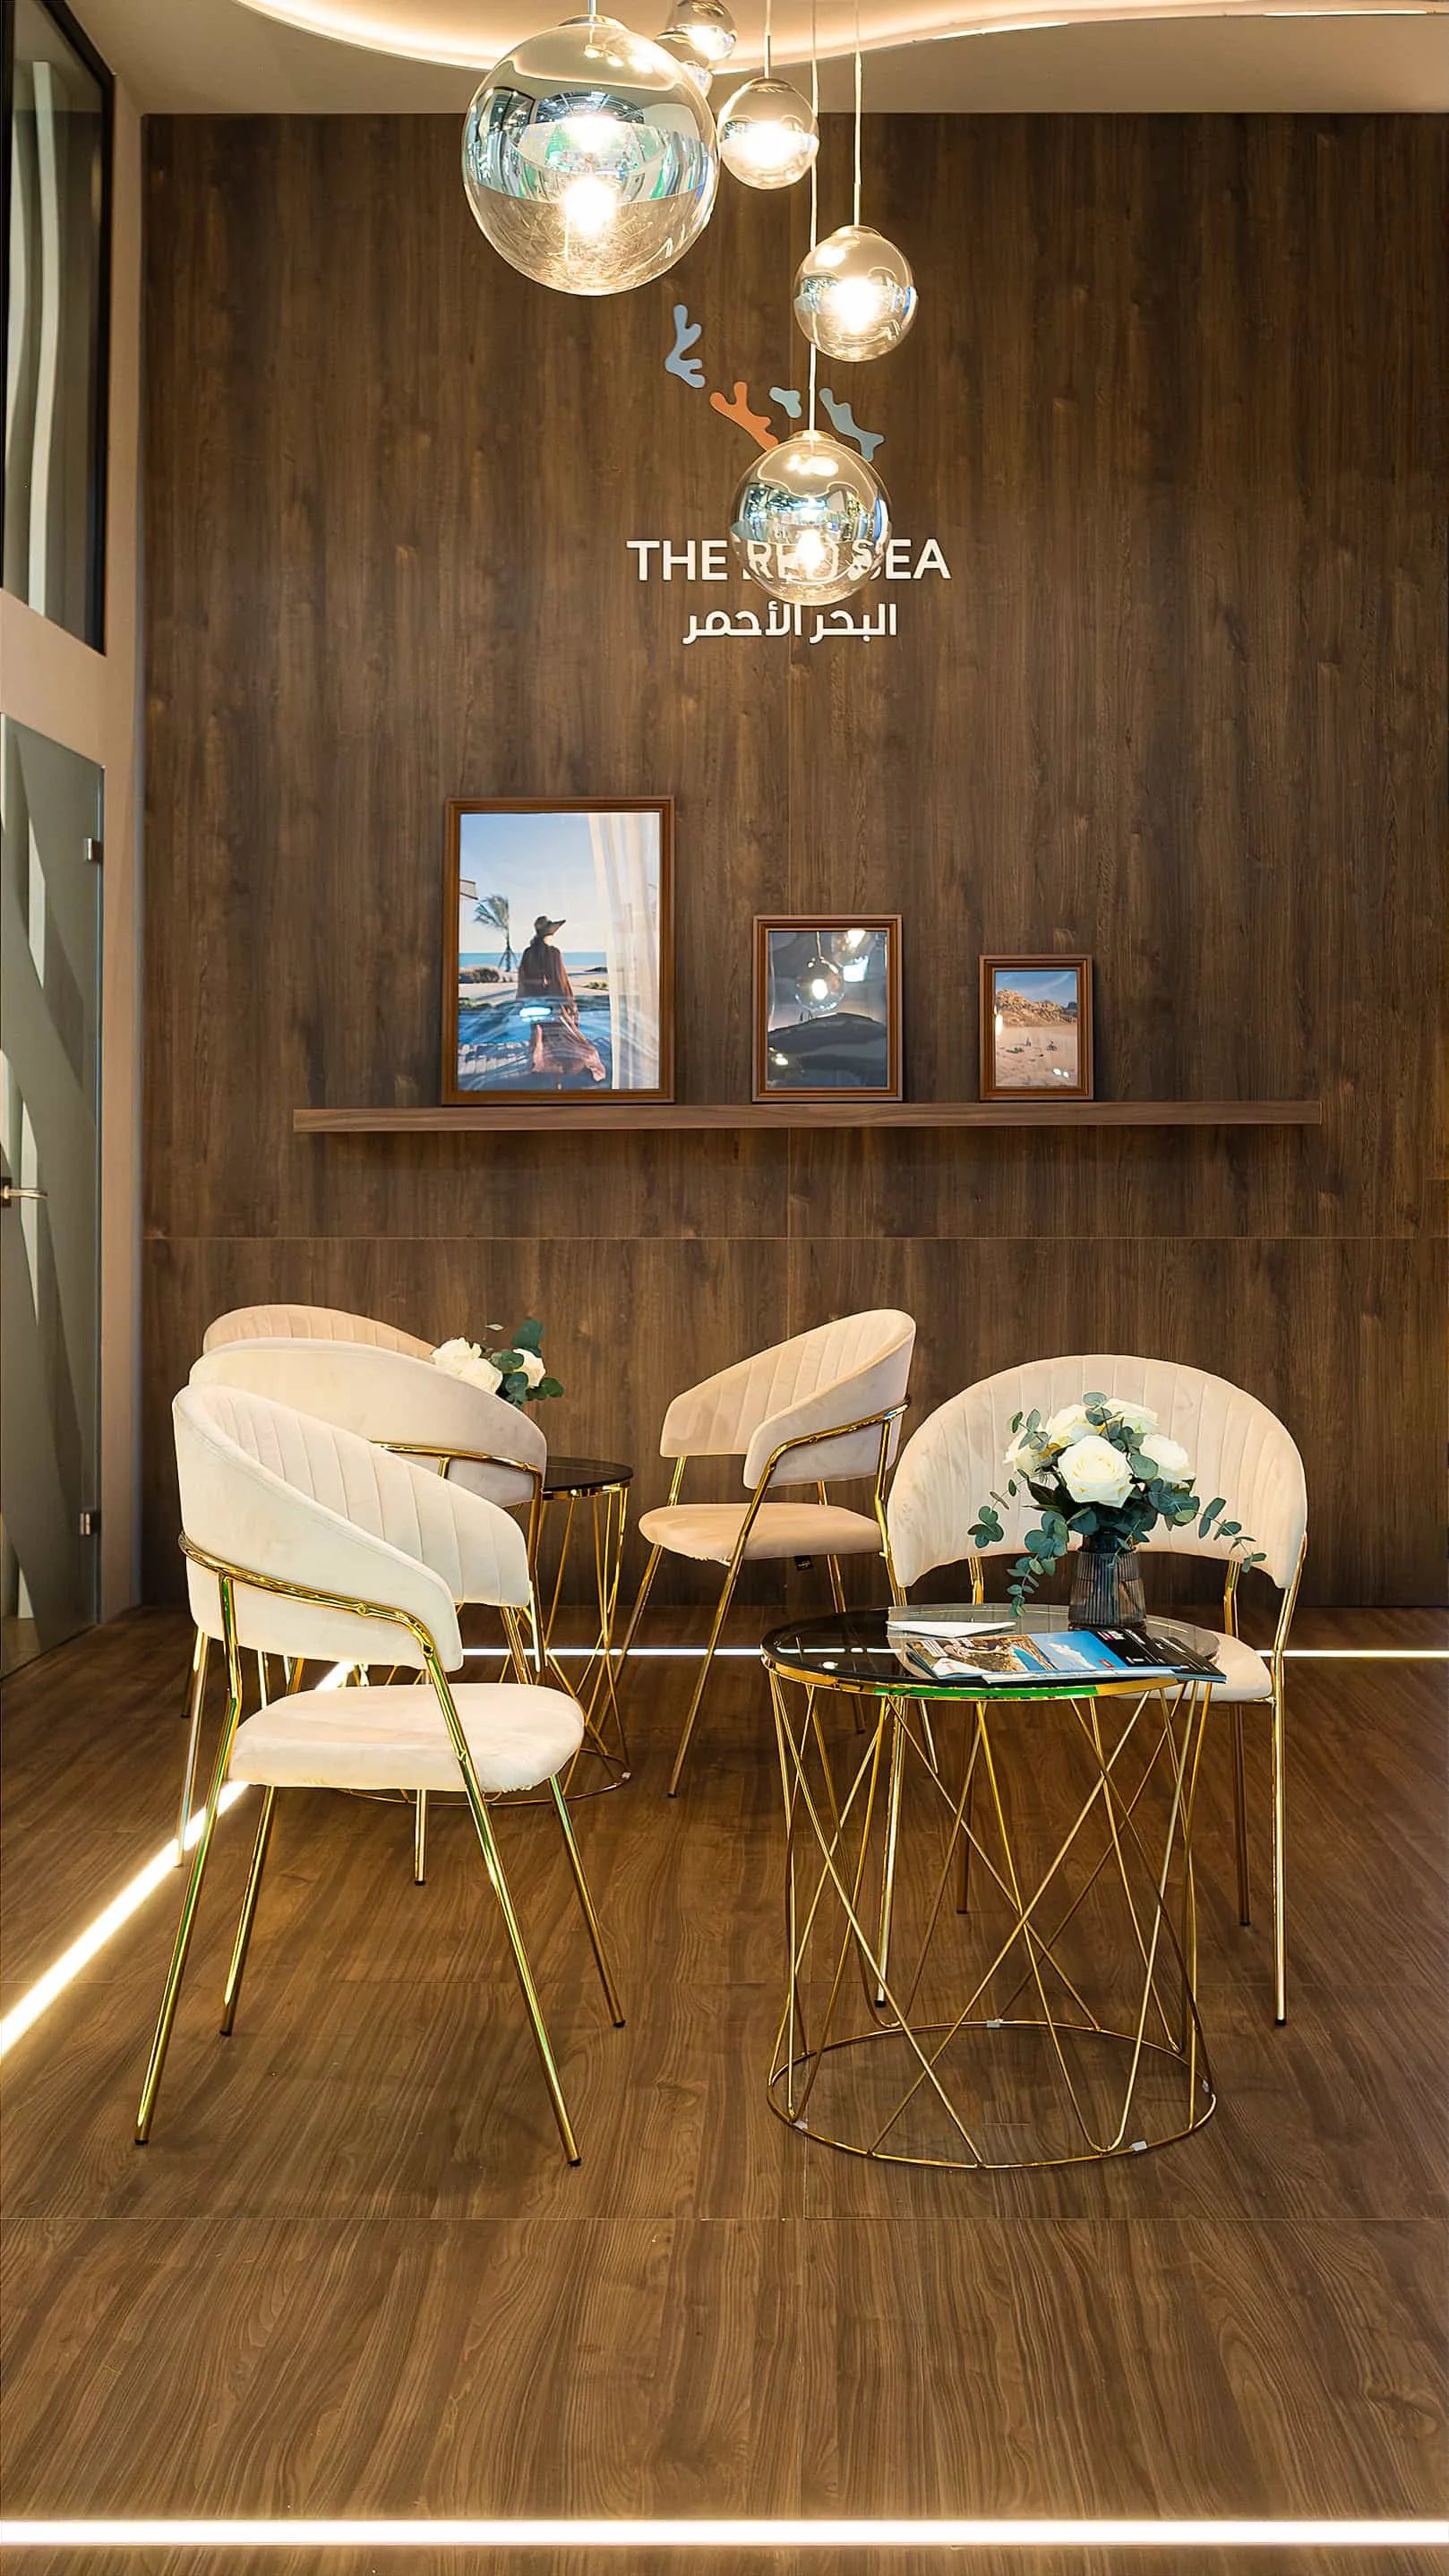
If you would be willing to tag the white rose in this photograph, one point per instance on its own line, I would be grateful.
(1021, 1457)
(1169, 1457)
(1094, 1472)
(455, 1356)
(1069, 1425)
(480, 1372)
(532, 1366)
(1135, 1418)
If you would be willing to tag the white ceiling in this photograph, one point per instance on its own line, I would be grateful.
(193, 56)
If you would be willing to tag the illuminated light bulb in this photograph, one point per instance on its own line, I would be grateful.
(854, 294)
(589, 158)
(820, 987)
(768, 135)
(707, 25)
(809, 554)
(590, 206)
(810, 520)
(681, 51)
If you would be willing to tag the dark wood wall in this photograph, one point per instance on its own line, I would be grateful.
(1175, 409)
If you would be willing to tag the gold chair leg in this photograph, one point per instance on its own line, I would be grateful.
(420, 1836)
(837, 1583)
(242, 1943)
(586, 1902)
(1240, 1818)
(522, 1970)
(200, 1652)
(725, 1598)
(187, 1924)
(637, 1613)
(1280, 1887)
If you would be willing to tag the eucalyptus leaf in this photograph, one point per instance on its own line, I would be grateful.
(529, 1336)
(548, 1386)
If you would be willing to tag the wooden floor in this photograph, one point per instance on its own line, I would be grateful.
(352, 2275)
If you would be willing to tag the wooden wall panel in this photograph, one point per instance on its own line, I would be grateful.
(1175, 409)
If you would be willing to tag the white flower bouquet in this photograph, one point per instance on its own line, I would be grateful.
(1101, 1472)
(516, 1370)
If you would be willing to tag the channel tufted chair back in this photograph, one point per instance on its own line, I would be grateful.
(858, 1366)
(393, 1397)
(276, 1492)
(1238, 1448)
(310, 1324)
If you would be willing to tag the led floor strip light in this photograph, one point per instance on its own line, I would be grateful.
(832, 2534)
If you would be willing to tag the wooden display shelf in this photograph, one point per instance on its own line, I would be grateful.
(616, 1116)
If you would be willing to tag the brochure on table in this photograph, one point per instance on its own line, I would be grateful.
(947, 1646)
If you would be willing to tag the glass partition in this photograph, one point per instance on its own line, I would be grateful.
(56, 287)
(50, 1028)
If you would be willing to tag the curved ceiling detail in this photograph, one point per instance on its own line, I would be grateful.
(472, 33)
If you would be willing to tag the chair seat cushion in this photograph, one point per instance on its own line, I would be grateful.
(1245, 1673)
(708, 1531)
(397, 1738)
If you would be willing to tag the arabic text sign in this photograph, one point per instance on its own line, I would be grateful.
(708, 559)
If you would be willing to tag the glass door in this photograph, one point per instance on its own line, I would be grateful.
(50, 1030)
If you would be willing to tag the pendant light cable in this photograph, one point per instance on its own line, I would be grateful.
(814, 167)
(768, 57)
(859, 92)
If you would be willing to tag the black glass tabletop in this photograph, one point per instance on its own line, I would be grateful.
(584, 1475)
(975, 1649)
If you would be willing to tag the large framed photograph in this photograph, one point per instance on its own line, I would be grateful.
(558, 966)
(828, 1007)
(1036, 1028)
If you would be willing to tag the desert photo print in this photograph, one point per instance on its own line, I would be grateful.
(1036, 1027)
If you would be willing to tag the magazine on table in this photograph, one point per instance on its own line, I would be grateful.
(946, 1646)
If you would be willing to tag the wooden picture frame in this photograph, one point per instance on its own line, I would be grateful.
(542, 1023)
(846, 1045)
(1017, 1053)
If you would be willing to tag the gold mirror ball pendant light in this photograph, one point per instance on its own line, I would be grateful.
(810, 521)
(855, 296)
(589, 158)
(768, 134)
(681, 51)
(707, 26)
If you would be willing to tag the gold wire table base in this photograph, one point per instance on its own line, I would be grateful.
(952, 2002)
(591, 1677)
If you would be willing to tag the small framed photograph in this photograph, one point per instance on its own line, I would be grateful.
(1036, 1027)
(828, 1007)
(558, 957)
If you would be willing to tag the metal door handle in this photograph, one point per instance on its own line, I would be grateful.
(11, 1190)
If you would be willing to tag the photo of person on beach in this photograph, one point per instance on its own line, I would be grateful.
(561, 968)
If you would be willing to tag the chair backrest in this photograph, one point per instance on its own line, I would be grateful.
(309, 1324)
(389, 1395)
(953, 1464)
(840, 1372)
(272, 1491)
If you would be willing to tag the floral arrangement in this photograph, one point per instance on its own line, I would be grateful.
(1102, 1472)
(516, 1370)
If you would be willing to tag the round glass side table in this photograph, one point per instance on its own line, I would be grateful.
(602, 1484)
(990, 1919)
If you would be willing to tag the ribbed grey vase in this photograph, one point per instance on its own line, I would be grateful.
(1106, 1587)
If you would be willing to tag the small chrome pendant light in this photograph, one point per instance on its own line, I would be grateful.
(768, 134)
(855, 296)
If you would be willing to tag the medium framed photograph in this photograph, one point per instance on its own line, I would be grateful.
(1036, 1028)
(828, 1007)
(558, 967)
